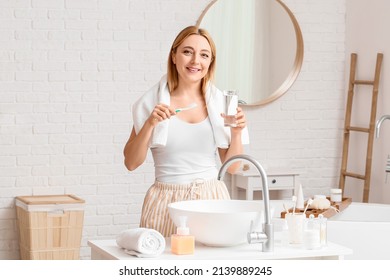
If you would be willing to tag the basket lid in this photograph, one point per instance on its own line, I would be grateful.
(50, 199)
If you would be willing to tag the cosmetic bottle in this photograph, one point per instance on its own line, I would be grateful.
(312, 234)
(323, 230)
(182, 243)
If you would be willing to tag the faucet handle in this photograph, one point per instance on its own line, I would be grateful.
(255, 236)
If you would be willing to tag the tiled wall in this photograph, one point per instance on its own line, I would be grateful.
(70, 70)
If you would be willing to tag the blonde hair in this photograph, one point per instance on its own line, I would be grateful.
(172, 74)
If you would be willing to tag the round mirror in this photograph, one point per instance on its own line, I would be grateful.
(259, 47)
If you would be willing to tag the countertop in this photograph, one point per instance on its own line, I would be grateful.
(108, 250)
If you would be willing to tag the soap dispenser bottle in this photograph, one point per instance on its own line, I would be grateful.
(182, 243)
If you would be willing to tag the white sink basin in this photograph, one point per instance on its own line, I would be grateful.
(219, 222)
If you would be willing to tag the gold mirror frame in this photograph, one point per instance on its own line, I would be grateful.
(297, 65)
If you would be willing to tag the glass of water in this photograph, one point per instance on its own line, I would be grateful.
(230, 107)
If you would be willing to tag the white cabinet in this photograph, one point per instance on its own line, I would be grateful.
(281, 183)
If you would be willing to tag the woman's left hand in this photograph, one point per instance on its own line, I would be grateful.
(240, 120)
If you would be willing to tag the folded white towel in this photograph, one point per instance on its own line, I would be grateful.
(144, 106)
(141, 242)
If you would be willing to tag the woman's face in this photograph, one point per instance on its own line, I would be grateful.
(192, 58)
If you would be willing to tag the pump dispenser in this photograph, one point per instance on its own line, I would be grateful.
(182, 243)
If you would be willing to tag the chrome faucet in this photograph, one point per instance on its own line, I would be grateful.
(267, 236)
(379, 123)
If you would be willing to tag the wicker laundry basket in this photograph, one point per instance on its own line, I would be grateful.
(50, 226)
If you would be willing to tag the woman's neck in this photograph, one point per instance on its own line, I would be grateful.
(186, 94)
(187, 91)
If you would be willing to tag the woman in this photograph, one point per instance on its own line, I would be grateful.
(184, 144)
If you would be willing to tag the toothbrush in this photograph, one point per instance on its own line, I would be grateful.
(191, 106)
(294, 199)
(309, 201)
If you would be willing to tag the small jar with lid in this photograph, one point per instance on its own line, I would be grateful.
(336, 195)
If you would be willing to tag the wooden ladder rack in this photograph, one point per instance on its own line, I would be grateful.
(370, 130)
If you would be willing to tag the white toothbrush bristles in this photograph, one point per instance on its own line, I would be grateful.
(309, 201)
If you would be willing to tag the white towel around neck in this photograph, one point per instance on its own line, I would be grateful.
(159, 93)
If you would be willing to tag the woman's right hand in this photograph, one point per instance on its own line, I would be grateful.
(160, 113)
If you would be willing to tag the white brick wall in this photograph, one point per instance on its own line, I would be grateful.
(70, 70)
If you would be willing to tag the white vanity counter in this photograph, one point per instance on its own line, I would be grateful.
(108, 250)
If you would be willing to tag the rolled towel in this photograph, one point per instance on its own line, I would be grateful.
(141, 242)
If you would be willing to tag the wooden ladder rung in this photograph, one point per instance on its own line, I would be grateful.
(363, 82)
(354, 175)
(355, 128)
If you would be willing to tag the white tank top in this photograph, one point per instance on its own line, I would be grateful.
(190, 153)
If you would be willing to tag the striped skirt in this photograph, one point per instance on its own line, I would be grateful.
(155, 211)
